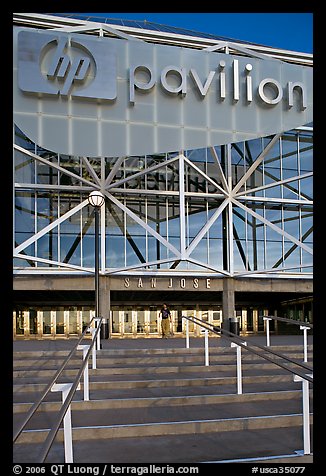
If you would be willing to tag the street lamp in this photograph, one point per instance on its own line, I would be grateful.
(96, 200)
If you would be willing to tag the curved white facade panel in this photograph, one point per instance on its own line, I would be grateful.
(95, 96)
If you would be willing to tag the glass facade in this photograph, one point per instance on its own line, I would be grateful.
(232, 210)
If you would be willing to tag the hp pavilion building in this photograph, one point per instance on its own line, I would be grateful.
(202, 147)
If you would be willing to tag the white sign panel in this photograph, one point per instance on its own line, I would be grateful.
(95, 96)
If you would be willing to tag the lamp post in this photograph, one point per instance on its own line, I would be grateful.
(96, 200)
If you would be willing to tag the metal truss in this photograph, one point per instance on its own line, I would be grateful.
(227, 200)
(70, 24)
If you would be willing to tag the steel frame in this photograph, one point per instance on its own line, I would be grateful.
(229, 196)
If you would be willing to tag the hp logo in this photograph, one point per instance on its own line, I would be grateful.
(66, 70)
(66, 66)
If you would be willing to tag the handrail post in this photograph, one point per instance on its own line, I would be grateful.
(267, 319)
(239, 369)
(93, 331)
(187, 334)
(85, 348)
(97, 321)
(306, 416)
(67, 431)
(206, 348)
(305, 346)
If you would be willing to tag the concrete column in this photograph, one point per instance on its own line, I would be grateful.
(105, 301)
(228, 302)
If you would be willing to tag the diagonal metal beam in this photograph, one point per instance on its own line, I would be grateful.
(128, 235)
(208, 266)
(143, 224)
(205, 176)
(78, 239)
(114, 170)
(206, 227)
(249, 159)
(292, 201)
(249, 52)
(142, 265)
(29, 261)
(292, 249)
(175, 264)
(243, 255)
(275, 184)
(51, 262)
(52, 225)
(91, 26)
(270, 270)
(143, 172)
(91, 170)
(274, 227)
(51, 164)
(256, 163)
(289, 187)
(219, 46)
(218, 163)
(238, 48)
(119, 34)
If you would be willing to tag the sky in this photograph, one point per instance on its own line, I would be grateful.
(291, 31)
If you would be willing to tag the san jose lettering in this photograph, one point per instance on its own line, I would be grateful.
(143, 78)
(173, 283)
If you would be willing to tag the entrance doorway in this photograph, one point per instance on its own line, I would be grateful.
(138, 321)
(251, 320)
(45, 322)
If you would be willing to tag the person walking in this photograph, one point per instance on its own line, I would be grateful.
(166, 321)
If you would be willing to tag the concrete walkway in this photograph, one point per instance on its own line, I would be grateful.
(154, 342)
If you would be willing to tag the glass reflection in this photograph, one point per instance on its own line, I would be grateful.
(256, 244)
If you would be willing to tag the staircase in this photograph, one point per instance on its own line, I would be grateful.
(163, 405)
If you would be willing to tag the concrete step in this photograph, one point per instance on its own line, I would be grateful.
(50, 363)
(169, 387)
(158, 410)
(279, 442)
(158, 350)
(25, 369)
(176, 346)
(164, 428)
(228, 356)
(141, 402)
(37, 373)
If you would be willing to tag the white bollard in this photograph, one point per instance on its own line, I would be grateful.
(67, 431)
(239, 369)
(187, 334)
(85, 348)
(305, 342)
(267, 319)
(306, 416)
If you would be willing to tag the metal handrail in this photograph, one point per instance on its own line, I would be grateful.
(54, 430)
(249, 347)
(35, 406)
(290, 321)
